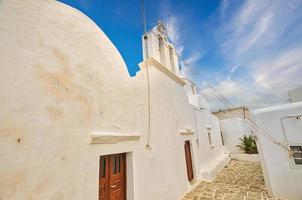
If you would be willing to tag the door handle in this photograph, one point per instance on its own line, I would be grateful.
(113, 186)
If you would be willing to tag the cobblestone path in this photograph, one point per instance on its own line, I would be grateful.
(239, 180)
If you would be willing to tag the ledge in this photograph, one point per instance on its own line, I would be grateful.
(186, 78)
(163, 69)
(102, 138)
(186, 132)
(111, 134)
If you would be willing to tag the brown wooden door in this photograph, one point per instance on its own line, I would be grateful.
(189, 161)
(103, 178)
(112, 180)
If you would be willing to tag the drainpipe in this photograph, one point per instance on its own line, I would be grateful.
(148, 94)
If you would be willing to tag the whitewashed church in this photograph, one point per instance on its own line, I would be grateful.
(74, 125)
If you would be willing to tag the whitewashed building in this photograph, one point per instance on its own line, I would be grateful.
(74, 125)
(281, 154)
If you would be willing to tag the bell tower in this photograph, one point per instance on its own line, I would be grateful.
(156, 45)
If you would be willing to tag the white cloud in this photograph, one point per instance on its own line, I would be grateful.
(246, 28)
(258, 24)
(227, 88)
(192, 59)
(233, 69)
(253, 37)
(174, 33)
(264, 37)
(188, 65)
(259, 46)
(176, 36)
(223, 8)
(279, 72)
(238, 93)
(230, 88)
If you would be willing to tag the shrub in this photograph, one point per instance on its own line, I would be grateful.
(248, 144)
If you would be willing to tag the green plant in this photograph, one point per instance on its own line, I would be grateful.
(248, 144)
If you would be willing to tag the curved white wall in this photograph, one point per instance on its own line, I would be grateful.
(61, 78)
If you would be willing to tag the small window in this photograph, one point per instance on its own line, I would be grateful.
(210, 139)
(222, 141)
(118, 164)
(114, 165)
(172, 59)
(297, 154)
(193, 89)
(103, 167)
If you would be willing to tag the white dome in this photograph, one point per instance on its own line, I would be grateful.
(53, 55)
(53, 35)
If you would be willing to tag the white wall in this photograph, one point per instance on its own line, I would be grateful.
(295, 94)
(60, 80)
(212, 158)
(189, 87)
(164, 165)
(283, 180)
(195, 99)
(232, 130)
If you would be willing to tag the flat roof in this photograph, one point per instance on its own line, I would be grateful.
(229, 109)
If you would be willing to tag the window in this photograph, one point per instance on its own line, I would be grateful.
(208, 127)
(103, 167)
(116, 167)
(172, 59)
(222, 141)
(193, 89)
(297, 154)
(210, 139)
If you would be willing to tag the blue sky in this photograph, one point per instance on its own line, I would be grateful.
(251, 51)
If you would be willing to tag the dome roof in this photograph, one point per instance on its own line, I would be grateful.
(55, 31)
(54, 53)
(60, 79)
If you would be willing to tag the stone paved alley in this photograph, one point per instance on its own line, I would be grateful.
(239, 180)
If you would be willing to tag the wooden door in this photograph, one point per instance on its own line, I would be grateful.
(112, 180)
(189, 161)
(104, 178)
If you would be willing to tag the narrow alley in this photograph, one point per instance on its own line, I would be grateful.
(239, 180)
